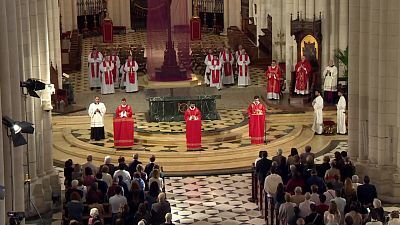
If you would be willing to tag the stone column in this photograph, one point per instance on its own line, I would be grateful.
(50, 20)
(302, 9)
(2, 159)
(14, 68)
(289, 41)
(334, 29)
(226, 17)
(354, 45)
(57, 42)
(295, 8)
(372, 71)
(310, 6)
(326, 25)
(235, 18)
(363, 82)
(343, 24)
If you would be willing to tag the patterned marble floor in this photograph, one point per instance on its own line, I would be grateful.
(206, 200)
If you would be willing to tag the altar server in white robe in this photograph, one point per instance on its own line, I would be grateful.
(209, 58)
(341, 114)
(107, 80)
(96, 111)
(130, 75)
(94, 59)
(330, 82)
(114, 58)
(226, 58)
(243, 64)
(216, 78)
(318, 105)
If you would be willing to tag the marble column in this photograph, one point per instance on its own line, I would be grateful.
(226, 17)
(302, 9)
(372, 71)
(326, 30)
(234, 13)
(343, 24)
(334, 29)
(363, 82)
(57, 42)
(50, 19)
(354, 45)
(310, 7)
(2, 167)
(14, 68)
(289, 41)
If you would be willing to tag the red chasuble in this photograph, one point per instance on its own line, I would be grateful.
(193, 128)
(303, 71)
(274, 78)
(123, 127)
(256, 123)
(131, 73)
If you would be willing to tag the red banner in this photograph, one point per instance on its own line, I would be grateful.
(107, 31)
(195, 29)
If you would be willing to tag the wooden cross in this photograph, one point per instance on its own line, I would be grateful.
(281, 42)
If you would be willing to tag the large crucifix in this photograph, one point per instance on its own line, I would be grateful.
(281, 42)
(170, 70)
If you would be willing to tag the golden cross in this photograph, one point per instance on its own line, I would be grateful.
(281, 42)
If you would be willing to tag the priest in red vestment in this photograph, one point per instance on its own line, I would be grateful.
(303, 73)
(274, 81)
(256, 113)
(123, 126)
(193, 127)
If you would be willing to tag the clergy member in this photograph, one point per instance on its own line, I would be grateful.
(341, 114)
(123, 126)
(114, 58)
(256, 113)
(274, 81)
(107, 80)
(97, 110)
(318, 105)
(330, 82)
(94, 60)
(130, 75)
(237, 54)
(243, 63)
(303, 72)
(226, 59)
(216, 78)
(123, 110)
(209, 58)
(193, 127)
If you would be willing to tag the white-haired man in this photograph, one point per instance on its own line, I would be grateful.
(279, 157)
(168, 219)
(107, 162)
(160, 209)
(304, 207)
(73, 188)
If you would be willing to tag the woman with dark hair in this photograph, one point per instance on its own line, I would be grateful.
(142, 214)
(279, 195)
(291, 158)
(152, 194)
(136, 196)
(94, 195)
(89, 178)
(68, 169)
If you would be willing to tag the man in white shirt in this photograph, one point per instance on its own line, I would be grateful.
(96, 111)
(272, 181)
(304, 207)
(125, 175)
(341, 204)
(117, 201)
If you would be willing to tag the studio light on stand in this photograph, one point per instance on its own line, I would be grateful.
(32, 86)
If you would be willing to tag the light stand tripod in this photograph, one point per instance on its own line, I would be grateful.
(27, 182)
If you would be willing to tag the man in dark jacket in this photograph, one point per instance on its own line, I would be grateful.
(263, 167)
(366, 192)
(159, 210)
